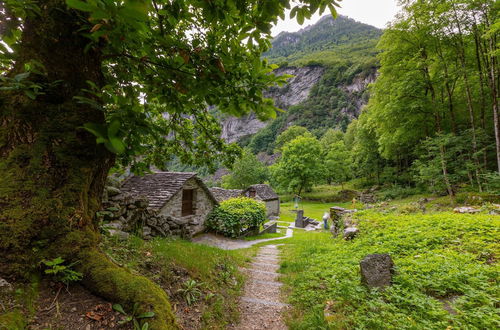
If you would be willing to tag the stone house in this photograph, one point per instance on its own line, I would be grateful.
(265, 193)
(222, 194)
(181, 196)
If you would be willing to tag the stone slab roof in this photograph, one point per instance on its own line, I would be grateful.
(222, 194)
(263, 191)
(160, 187)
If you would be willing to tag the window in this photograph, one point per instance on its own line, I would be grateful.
(187, 202)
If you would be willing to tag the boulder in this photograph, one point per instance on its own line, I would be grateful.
(377, 270)
(113, 225)
(350, 233)
(146, 231)
(5, 286)
(113, 191)
(270, 227)
(121, 235)
(465, 209)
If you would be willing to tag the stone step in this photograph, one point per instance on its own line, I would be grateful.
(264, 266)
(257, 316)
(272, 283)
(263, 302)
(255, 290)
(274, 255)
(261, 275)
(267, 259)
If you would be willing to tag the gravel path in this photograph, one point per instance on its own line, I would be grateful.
(261, 306)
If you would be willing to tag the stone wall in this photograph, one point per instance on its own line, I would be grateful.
(203, 205)
(122, 213)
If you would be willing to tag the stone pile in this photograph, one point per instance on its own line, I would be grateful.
(122, 214)
(367, 198)
(341, 219)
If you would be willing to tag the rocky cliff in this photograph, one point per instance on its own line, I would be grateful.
(296, 91)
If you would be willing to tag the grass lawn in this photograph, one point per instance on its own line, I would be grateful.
(446, 273)
(279, 233)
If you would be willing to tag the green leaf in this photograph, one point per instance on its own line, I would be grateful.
(113, 128)
(97, 129)
(146, 315)
(29, 93)
(21, 76)
(80, 5)
(300, 17)
(119, 308)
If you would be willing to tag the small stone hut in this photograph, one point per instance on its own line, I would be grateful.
(222, 194)
(265, 193)
(179, 195)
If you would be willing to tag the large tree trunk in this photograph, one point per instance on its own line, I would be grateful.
(52, 173)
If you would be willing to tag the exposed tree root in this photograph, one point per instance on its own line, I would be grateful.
(104, 278)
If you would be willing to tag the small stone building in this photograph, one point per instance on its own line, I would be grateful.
(181, 196)
(265, 193)
(222, 194)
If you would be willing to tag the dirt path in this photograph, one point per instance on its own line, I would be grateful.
(260, 305)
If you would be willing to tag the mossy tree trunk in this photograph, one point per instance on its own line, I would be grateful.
(52, 173)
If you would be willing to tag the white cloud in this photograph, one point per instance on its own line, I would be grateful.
(374, 12)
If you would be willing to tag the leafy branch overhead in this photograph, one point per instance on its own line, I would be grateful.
(167, 63)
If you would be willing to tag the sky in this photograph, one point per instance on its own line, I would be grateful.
(374, 12)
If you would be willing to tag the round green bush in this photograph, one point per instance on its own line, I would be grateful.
(235, 215)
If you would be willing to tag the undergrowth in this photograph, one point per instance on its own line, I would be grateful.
(176, 264)
(446, 274)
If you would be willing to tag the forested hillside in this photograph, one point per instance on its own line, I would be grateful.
(432, 118)
(430, 123)
(343, 52)
(326, 42)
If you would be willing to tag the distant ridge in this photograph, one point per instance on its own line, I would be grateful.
(342, 35)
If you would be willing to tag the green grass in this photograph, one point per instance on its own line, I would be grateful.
(214, 270)
(279, 233)
(321, 193)
(437, 256)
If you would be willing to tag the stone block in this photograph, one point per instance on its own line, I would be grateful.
(350, 233)
(299, 219)
(270, 228)
(377, 270)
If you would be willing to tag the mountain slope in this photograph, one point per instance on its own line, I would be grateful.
(333, 61)
(327, 41)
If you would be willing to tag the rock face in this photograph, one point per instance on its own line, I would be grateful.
(377, 270)
(296, 91)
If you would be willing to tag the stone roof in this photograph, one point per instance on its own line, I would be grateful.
(263, 191)
(160, 187)
(222, 194)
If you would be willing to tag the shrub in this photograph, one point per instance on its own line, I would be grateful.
(235, 215)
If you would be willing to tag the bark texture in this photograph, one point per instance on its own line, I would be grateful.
(53, 172)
